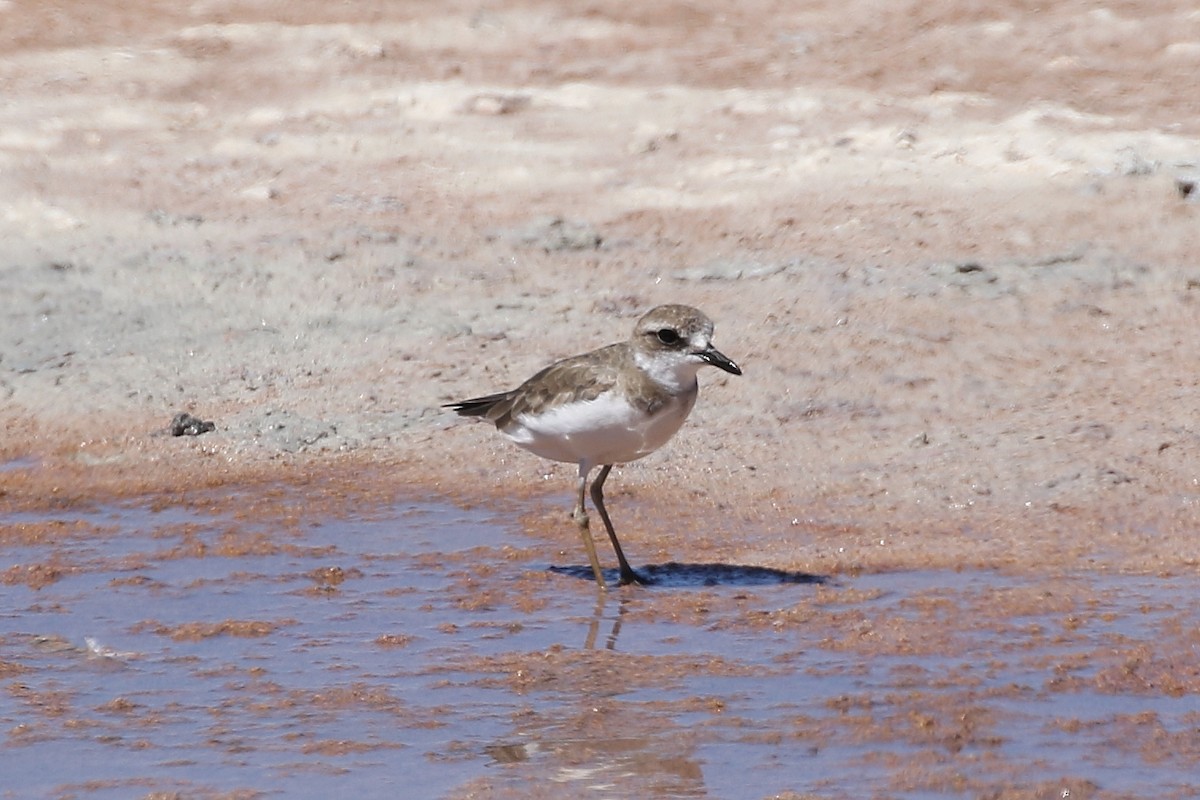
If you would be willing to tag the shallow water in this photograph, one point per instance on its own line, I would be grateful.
(423, 650)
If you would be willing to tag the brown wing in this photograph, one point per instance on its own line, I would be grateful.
(583, 377)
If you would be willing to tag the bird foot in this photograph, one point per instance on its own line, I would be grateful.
(631, 578)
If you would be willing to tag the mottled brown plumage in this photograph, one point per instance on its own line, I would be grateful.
(576, 379)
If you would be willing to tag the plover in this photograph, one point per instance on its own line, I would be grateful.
(610, 406)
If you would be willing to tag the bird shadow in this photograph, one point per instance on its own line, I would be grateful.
(676, 575)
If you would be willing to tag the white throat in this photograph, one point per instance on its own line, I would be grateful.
(675, 372)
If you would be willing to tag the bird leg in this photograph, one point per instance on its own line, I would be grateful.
(581, 519)
(627, 573)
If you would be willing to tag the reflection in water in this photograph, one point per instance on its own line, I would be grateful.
(604, 598)
(605, 764)
(511, 752)
(591, 738)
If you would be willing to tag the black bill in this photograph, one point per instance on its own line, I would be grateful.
(718, 359)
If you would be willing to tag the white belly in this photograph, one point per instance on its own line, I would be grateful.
(607, 430)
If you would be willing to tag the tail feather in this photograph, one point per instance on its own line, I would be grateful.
(478, 406)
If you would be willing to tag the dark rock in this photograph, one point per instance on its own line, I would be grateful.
(184, 424)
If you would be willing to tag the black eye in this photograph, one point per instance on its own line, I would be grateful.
(668, 336)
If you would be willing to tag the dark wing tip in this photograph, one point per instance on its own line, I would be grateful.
(477, 406)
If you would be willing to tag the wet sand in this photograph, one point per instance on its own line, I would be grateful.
(226, 646)
(953, 249)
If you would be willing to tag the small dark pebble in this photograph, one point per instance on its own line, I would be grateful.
(184, 424)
